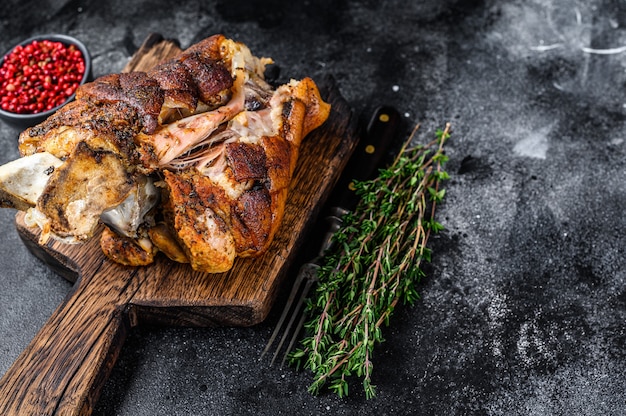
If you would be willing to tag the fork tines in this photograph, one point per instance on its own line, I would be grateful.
(293, 309)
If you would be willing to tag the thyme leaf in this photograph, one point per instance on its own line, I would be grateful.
(375, 263)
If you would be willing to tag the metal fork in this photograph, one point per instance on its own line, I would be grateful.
(304, 282)
(379, 134)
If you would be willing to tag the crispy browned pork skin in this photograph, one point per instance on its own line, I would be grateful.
(192, 159)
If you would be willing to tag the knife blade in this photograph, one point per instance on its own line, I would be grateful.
(380, 133)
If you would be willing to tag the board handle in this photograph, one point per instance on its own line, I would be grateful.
(65, 366)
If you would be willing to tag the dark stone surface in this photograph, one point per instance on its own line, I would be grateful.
(524, 307)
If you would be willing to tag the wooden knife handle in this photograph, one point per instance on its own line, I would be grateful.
(65, 366)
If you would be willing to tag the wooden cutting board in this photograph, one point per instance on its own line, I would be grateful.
(64, 368)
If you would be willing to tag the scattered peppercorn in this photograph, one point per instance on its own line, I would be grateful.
(39, 76)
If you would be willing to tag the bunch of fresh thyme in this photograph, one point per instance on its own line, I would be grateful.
(374, 264)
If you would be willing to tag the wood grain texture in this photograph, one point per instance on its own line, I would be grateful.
(64, 368)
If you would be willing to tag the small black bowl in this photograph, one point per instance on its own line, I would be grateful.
(23, 121)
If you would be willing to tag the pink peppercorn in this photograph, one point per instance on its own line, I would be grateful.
(39, 76)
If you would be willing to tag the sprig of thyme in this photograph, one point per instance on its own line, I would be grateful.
(375, 264)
